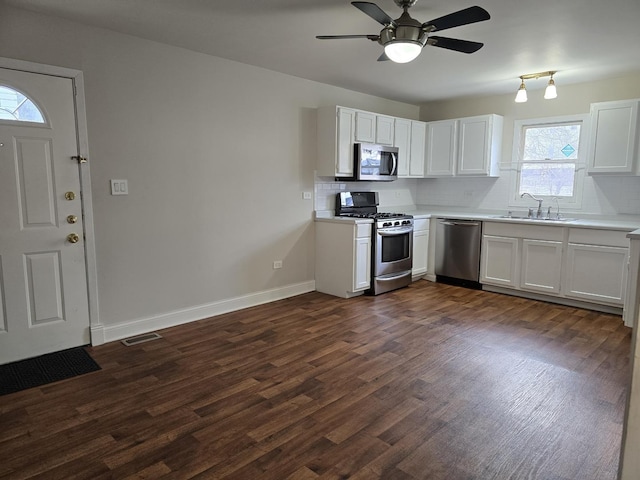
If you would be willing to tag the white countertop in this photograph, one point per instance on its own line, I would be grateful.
(619, 222)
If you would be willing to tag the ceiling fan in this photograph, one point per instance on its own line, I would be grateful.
(404, 37)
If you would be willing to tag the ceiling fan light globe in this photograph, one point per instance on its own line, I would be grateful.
(402, 51)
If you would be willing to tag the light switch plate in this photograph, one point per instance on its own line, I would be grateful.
(119, 187)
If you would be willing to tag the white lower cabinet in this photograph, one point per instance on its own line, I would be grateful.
(597, 266)
(362, 263)
(499, 262)
(541, 261)
(524, 257)
(420, 247)
(343, 257)
(574, 263)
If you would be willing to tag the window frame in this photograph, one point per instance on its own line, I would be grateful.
(574, 202)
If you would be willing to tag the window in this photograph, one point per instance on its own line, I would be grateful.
(17, 107)
(549, 158)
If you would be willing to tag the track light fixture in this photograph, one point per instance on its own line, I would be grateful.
(549, 93)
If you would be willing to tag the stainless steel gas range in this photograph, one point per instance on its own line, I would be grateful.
(392, 240)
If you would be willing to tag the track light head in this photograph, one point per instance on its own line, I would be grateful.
(550, 92)
(521, 96)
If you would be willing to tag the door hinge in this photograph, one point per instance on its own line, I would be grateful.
(80, 158)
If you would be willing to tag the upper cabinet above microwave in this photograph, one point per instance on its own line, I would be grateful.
(468, 146)
(340, 127)
(373, 128)
(613, 142)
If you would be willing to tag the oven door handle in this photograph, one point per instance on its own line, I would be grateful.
(389, 232)
(389, 278)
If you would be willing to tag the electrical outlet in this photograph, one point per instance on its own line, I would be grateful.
(306, 195)
(277, 264)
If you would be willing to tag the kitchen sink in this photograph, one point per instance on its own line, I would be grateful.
(532, 219)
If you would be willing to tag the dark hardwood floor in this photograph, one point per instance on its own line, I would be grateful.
(428, 382)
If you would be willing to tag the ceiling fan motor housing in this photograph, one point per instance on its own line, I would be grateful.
(405, 3)
(406, 29)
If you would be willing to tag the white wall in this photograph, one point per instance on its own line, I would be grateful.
(217, 155)
(602, 195)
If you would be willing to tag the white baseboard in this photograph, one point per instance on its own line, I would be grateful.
(108, 333)
(551, 299)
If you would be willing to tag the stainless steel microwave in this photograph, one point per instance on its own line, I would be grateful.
(375, 162)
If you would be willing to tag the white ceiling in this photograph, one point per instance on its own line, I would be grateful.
(584, 40)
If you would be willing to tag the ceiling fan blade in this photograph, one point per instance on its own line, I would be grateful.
(335, 37)
(456, 19)
(464, 46)
(383, 57)
(375, 12)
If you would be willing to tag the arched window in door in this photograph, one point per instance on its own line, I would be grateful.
(14, 105)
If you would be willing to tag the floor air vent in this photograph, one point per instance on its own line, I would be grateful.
(147, 337)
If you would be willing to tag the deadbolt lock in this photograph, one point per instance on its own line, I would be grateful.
(70, 196)
(73, 238)
(72, 219)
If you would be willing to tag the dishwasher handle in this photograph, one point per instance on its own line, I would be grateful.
(459, 223)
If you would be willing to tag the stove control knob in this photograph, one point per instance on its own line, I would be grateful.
(397, 222)
(386, 224)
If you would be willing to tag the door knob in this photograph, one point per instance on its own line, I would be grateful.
(73, 238)
(72, 219)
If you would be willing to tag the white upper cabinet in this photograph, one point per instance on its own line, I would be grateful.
(374, 128)
(402, 140)
(441, 149)
(613, 143)
(409, 137)
(384, 130)
(466, 146)
(336, 132)
(338, 128)
(418, 138)
(479, 145)
(365, 127)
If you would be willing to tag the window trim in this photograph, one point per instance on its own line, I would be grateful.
(581, 162)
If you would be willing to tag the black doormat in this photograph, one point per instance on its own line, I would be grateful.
(44, 369)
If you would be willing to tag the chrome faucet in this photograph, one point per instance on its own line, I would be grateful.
(539, 200)
(558, 205)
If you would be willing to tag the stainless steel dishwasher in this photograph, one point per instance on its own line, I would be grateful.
(458, 251)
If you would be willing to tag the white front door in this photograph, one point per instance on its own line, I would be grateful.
(43, 284)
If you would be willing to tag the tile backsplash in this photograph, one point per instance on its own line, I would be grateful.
(601, 195)
(400, 192)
